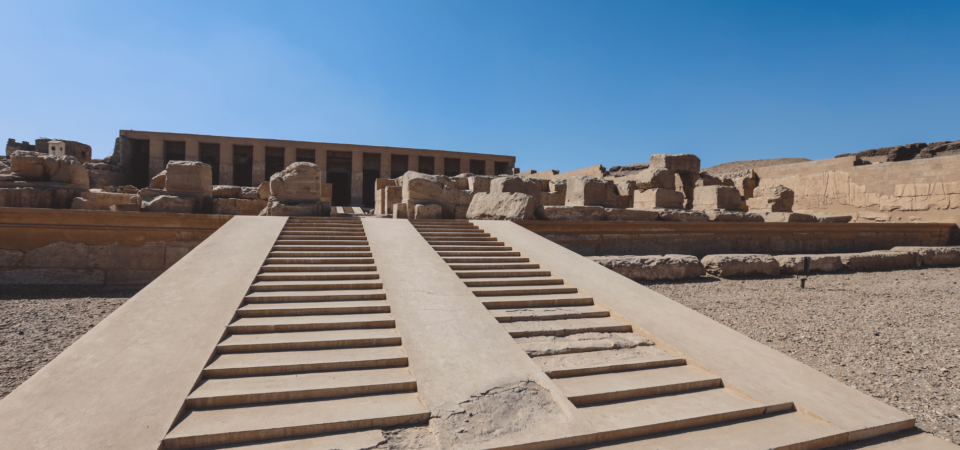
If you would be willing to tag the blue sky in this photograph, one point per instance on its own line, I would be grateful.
(559, 84)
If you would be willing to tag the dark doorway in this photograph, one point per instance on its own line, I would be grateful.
(502, 168)
(243, 165)
(210, 154)
(451, 167)
(140, 162)
(339, 167)
(306, 155)
(478, 167)
(399, 164)
(174, 151)
(371, 171)
(274, 161)
(425, 165)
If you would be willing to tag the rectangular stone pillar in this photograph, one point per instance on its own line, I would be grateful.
(386, 165)
(192, 150)
(439, 164)
(356, 179)
(464, 165)
(226, 164)
(414, 163)
(289, 156)
(490, 168)
(156, 157)
(321, 158)
(259, 164)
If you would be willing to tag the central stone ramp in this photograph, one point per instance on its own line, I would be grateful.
(312, 350)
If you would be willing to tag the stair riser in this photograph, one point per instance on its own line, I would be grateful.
(513, 282)
(312, 311)
(493, 266)
(314, 394)
(318, 254)
(525, 291)
(608, 329)
(320, 248)
(681, 424)
(319, 261)
(303, 368)
(491, 253)
(314, 298)
(311, 327)
(317, 287)
(646, 392)
(486, 260)
(308, 345)
(554, 317)
(504, 274)
(315, 268)
(615, 368)
(496, 304)
(318, 277)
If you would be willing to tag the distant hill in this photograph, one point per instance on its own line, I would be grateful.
(737, 166)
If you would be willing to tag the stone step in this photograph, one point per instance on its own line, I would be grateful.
(296, 219)
(221, 392)
(479, 246)
(481, 260)
(454, 234)
(307, 308)
(513, 281)
(488, 253)
(464, 226)
(308, 340)
(605, 361)
(564, 327)
(455, 239)
(302, 276)
(318, 268)
(496, 273)
(315, 296)
(321, 248)
(534, 301)
(274, 363)
(320, 254)
(669, 413)
(304, 322)
(310, 285)
(319, 260)
(289, 228)
(319, 239)
(617, 386)
(555, 313)
(533, 289)
(233, 425)
(325, 234)
(494, 266)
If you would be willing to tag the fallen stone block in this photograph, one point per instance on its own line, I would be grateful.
(553, 198)
(652, 268)
(880, 260)
(559, 186)
(681, 215)
(400, 211)
(159, 180)
(933, 256)
(793, 264)
(514, 183)
(716, 197)
(296, 184)
(587, 191)
(833, 218)
(277, 208)
(427, 212)
(128, 207)
(631, 215)
(582, 213)
(655, 177)
(98, 200)
(792, 217)
(220, 191)
(501, 206)
(680, 163)
(732, 216)
(741, 265)
(189, 176)
(771, 199)
(171, 204)
(657, 198)
(479, 183)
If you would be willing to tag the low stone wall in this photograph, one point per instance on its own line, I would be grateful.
(49, 246)
(708, 238)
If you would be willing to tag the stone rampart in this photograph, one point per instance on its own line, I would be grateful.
(49, 246)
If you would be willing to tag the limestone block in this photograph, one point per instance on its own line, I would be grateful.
(771, 198)
(27, 164)
(394, 195)
(298, 182)
(171, 204)
(461, 181)
(686, 183)
(384, 182)
(427, 212)
(422, 188)
(98, 200)
(587, 191)
(655, 177)
(29, 197)
(553, 198)
(716, 197)
(571, 213)
(400, 211)
(741, 265)
(464, 198)
(479, 183)
(793, 264)
(460, 212)
(175, 251)
(71, 172)
(631, 215)
(880, 260)
(277, 208)
(651, 268)
(252, 193)
(52, 276)
(833, 218)
(746, 184)
(58, 255)
(680, 163)
(501, 206)
(559, 186)
(717, 215)
(783, 217)
(127, 207)
(35, 166)
(263, 191)
(933, 256)
(159, 181)
(220, 191)
(657, 198)
(626, 187)
(515, 183)
(682, 215)
(149, 256)
(79, 203)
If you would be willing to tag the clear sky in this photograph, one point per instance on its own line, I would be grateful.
(559, 84)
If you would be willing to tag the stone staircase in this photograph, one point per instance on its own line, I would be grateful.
(630, 389)
(312, 350)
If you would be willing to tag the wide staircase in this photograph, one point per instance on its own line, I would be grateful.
(312, 350)
(622, 383)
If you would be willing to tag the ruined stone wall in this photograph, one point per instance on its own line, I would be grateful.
(919, 190)
(43, 246)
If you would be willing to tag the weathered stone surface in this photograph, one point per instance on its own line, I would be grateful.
(571, 213)
(559, 186)
(275, 208)
(10, 257)
(298, 182)
(680, 163)
(793, 264)
(220, 191)
(149, 256)
(631, 215)
(783, 217)
(880, 260)
(580, 342)
(650, 268)
(422, 188)
(427, 212)
(102, 175)
(833, 218)
(716, 197)
(741, 265)
(171, 204)
(31, 197)
(98, 200)
(128, 207)
(655, 177)
(479, 183)
(159, 181)
(238, 207)
(41, 167)
(717, 215)
(553, 198)
(657, 198)
(394, 195)
(460, 212)
(400, 211)
(263, 192)
(626, 188)
(58, 255)
(771, 198)
(189, 176)
(933, 256)
(523, 185)
(501, 206)
(682, 215)
(587, 191)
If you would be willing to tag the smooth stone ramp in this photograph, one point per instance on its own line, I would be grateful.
(756, 370)
(122, 384)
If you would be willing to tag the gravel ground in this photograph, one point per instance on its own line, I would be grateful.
(892, 335)
(39, 322)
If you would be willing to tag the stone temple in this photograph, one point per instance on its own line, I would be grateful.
(306, 295)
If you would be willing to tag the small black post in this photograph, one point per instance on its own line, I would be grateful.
(806, 271)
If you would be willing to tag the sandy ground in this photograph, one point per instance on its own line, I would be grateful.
(892, 335)
(38, 322)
